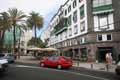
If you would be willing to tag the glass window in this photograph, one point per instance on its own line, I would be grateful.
(65, 12)
(70, 31)
(109, 37)
(99, 37)
(82, 26)
(69, 8)
(69, 21)
(97, 3)
(108, 2)
(74, 3)
(103, 22)
(75, 29)
(75, 17)
(101, 2)
(82, 13)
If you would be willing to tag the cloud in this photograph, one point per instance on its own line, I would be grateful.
(46, 8)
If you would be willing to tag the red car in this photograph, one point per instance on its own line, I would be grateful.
(57, 61)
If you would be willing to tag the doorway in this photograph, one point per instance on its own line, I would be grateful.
(101, 53)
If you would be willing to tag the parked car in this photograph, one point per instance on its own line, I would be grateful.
(117, 70)
(57, 61)
(9, 56)
(3, 63)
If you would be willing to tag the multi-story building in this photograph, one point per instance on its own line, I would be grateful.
(87, 29)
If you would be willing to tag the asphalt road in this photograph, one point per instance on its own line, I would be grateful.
(34, 72)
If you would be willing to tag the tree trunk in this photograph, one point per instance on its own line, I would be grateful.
(14, 39)
(35, 31)
(1, 40)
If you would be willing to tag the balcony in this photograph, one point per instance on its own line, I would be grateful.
(61, 26)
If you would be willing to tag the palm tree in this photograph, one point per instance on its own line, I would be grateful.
(15, 16)
(4, 25)
(35, 21)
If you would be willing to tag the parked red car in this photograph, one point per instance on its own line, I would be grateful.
(57, 61)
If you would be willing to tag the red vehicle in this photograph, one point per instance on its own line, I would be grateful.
(57, 61)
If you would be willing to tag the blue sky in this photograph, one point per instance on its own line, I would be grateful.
(46, 8)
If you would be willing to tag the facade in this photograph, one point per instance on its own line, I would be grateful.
(8, 38)
(87, 29)
(26, 35)
(45, 35)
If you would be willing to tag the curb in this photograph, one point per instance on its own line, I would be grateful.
(94, 69)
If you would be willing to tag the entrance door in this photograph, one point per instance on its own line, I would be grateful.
(101, 53)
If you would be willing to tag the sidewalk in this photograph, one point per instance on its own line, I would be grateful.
(27, 59)
(96, 66)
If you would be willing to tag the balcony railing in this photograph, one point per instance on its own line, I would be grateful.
(61, 26)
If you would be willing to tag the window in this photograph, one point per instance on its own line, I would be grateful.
(74, 3)
(99, 37)
(104, 37)
(75, 17)
(97, 3)
(82, 13)
(65, 12)
(75, 29)
(70, 31)
(69, 8)
(82, 26)
(69, 21)
(82, 40)
(109, 37)
(80, 0)
(60, 36)
(103, 21)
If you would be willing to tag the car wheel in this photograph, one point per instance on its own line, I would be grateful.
(42, 64)
(59, 66)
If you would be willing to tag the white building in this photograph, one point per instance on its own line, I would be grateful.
(87, 29)
(26, 35)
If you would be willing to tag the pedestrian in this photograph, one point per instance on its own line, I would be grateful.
(108, 59)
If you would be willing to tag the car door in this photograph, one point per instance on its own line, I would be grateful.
(54, 61)
(49, 61)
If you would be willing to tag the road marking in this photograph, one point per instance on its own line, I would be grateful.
(75, 73)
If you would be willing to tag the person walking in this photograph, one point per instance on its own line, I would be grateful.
(108, 59)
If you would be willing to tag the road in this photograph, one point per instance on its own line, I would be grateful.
(21, 71)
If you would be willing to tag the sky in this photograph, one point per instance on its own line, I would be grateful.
(46, 8)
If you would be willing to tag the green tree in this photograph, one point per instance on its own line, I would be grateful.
(35, 21)
(4, 25)
(38, 43)
(15, 16)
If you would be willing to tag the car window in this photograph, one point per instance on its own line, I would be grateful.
(2, 55)
(56, 58)
(50, 58)
(53, 58)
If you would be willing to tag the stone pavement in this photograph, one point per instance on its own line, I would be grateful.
(94, 66)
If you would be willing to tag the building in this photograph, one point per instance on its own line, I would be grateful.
(8, 39)
(26, 35)
(45, 35)
(87, 29)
